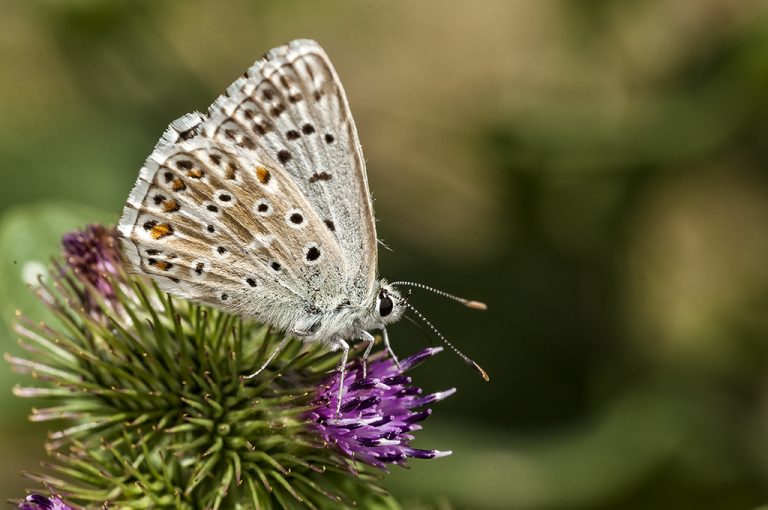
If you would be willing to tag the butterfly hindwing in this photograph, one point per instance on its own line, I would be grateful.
(210, 221)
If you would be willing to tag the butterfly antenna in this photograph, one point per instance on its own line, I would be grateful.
(469, 303)
(421, 328)
(463, 356)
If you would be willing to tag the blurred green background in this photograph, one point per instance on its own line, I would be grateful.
(594, 170)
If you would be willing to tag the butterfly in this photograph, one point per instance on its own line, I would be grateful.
(261, 208)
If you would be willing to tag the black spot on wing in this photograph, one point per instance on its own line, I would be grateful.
(284, 156)
(320, 176)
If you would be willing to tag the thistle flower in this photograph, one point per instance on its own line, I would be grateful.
(38, 502)
(156, 412)
(93, 256)
(378, 412)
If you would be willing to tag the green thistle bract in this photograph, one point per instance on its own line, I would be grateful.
(157, 414)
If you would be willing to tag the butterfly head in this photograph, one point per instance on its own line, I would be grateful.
(389, 305)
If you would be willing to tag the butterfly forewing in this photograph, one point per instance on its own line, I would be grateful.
(291, 107)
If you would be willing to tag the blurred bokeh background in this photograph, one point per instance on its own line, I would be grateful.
(594, 170)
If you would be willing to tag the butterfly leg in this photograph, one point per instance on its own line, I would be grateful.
(272, 356)
(366, 337)
(344, 346)
(389, 347)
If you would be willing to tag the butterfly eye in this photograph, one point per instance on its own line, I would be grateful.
(385, 306)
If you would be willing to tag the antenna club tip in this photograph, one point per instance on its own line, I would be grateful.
(480, 370)
(476, 305)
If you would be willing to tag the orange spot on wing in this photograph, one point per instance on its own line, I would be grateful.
(195, 173)
(178, 185)
(263, 175)
(163, 265)
(161, 230)
(171, 206)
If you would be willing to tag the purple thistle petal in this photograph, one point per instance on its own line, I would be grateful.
(364, 384)
(93, 254)
(368, 402)
(394, 458)
(397, 379)
(427, 454)
(434, 397)
(377, 412)
(350, 405)
(419, 416)
(409, 391)
(383, 421)
(419, 358)
(38, 502)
